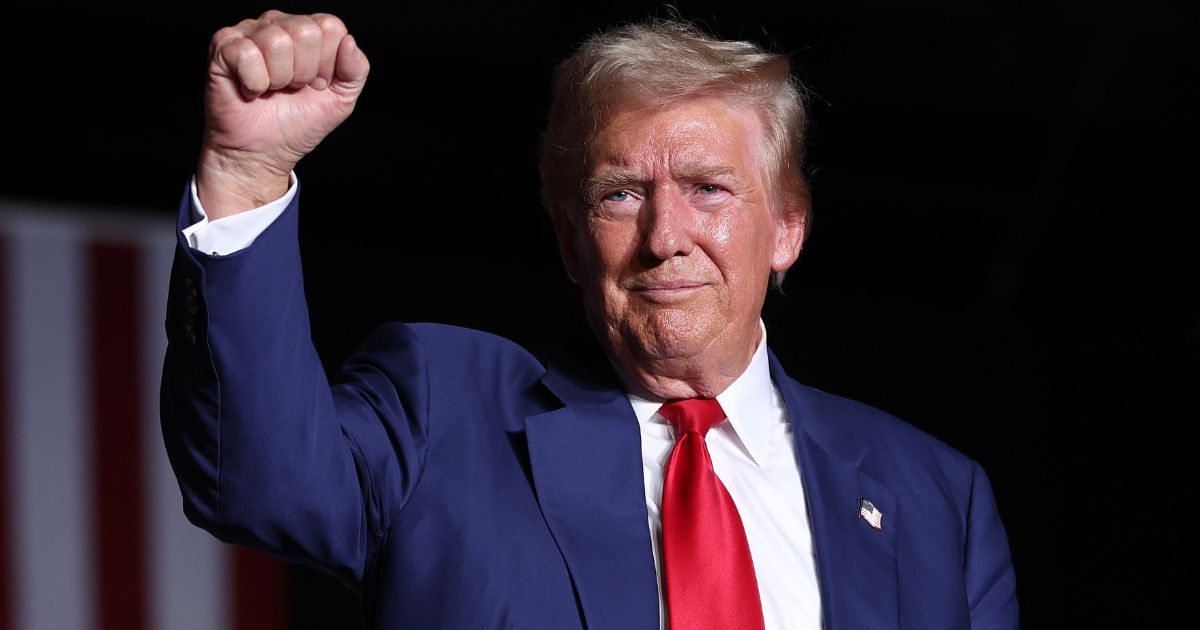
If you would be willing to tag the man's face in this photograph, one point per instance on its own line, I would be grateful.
(677, 238)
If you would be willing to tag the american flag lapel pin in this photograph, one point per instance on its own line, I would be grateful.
(870, 514)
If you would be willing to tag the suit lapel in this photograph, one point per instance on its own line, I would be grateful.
(586, 465)
(587, 472)
(856, 564)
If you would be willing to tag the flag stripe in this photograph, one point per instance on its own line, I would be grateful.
(92, 531)
(51, 501)
(6, 540)
(116, 450)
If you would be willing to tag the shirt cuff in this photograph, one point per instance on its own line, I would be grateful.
(235, 232)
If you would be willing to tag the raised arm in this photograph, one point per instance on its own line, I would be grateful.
(267, 453)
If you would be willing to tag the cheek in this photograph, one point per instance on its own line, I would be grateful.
(600, 268)
(608, 249)
(721, 235)
(741, 246)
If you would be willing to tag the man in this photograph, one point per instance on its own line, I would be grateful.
(677, 477)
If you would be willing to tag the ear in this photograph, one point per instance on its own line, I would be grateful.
(792, 229)
(564, 229)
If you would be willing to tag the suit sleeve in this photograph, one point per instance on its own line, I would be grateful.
(267, 453)
(990, 580)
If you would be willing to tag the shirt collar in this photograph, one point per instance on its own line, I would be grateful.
(750, 402)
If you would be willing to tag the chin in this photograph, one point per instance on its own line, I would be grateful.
(671, 334)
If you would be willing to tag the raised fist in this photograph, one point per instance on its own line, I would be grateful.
(277, 86)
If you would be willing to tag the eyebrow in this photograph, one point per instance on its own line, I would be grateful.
(613, 178)
(703, 170)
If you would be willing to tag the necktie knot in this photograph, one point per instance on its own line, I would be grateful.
(693, 415)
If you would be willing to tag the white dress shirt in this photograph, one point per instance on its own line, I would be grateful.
(753, 453)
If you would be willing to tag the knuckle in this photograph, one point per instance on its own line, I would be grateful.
(225, 33)
(330, 23)
(222, 38)
(275, 40)
(307, 32)
(242, 52)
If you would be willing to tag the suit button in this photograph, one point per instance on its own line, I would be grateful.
(189, 302)
(189, 331)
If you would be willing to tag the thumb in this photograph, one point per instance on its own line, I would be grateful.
(350, 70)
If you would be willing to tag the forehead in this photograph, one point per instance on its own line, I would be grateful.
(700, 133)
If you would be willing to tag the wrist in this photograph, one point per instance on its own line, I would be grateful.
(229, 184)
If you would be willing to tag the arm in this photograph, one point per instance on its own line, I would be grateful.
(267, 453)
(991, 584)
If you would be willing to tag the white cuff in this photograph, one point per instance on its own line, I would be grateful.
(235, 232)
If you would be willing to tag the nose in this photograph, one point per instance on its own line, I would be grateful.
(668, 228)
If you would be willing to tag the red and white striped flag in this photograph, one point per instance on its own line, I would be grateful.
(92, 532)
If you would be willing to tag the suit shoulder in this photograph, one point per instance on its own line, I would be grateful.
(875, 421)
(895, 444)
(457, 352)
(448, 335)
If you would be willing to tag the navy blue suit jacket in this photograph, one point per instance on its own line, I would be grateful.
(455, 481)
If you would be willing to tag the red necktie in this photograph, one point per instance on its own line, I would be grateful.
(707, 569)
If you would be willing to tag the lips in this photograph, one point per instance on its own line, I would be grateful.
(668, 285)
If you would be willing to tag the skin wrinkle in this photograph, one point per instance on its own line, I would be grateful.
(674, 273)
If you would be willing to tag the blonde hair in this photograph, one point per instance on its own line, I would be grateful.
(657, 64)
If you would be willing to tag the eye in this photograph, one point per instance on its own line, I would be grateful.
(619, 204)
(710, 195)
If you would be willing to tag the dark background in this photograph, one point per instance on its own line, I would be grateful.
(1003, 251)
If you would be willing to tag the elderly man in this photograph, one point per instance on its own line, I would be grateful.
(675, 475)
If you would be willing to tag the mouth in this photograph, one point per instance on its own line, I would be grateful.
(667, 289)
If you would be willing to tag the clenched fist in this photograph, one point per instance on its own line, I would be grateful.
(277, 86)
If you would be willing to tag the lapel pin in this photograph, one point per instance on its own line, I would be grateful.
(870, 514)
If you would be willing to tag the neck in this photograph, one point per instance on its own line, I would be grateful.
(702, 376)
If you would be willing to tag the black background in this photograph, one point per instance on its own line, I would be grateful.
(1003, 251)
